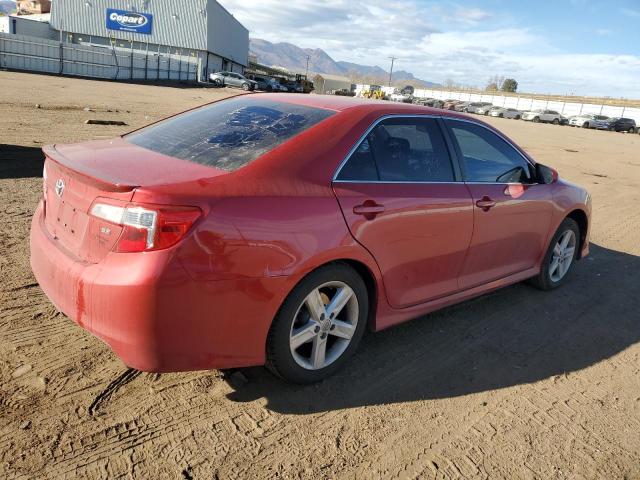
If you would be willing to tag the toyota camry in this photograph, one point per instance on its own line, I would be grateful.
(276, 229)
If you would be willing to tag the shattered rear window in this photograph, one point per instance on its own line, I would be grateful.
(228, 134)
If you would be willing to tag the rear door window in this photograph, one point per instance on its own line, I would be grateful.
(401, 150)
(229, 134)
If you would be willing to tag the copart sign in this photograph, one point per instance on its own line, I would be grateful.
(129, 21)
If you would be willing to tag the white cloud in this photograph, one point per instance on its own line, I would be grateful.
(472, 15)
(438, 41)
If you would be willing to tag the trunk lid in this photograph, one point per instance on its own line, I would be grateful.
(77, 175)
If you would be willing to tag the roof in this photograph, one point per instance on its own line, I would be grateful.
(36, 17)
(337, 78)
(341, 103)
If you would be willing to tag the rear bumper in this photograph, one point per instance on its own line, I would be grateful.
(151, 313)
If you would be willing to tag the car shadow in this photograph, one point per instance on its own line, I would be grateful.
(514, 336)
(17, 161)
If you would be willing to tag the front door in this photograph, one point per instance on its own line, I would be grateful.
(512, 213)
(403, 201)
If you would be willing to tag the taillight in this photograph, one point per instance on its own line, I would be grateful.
(145, 227)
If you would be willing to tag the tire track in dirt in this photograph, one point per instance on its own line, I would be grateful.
(126, 377)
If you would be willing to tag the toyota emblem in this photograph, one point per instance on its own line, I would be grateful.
(59, 187)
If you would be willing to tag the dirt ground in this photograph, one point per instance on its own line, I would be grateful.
(517, 384)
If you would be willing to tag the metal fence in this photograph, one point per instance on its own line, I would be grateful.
(568, 109)
(20, 52)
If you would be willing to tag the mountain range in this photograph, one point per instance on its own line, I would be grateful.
(294, 58)
(7, 6)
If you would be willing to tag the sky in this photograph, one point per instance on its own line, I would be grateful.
(562, 47)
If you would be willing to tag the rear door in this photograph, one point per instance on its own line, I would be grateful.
(403, 200)
(512, 213)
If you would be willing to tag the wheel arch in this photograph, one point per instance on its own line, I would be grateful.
(372, 287)
(580, 217)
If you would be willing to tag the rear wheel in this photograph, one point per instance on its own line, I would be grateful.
(517, 117)
(556, 121)
(631, 130)
(560, 257)
(536, 120)
(319, 325)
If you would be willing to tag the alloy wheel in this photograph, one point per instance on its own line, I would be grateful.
(324, 325)
(562, 256)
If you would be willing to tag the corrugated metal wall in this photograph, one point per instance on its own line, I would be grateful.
(178, 23)
(22, 52)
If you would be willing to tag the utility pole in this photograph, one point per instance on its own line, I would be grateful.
(306, 72)
(393, 59)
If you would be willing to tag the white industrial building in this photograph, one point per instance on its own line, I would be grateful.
(137, 39)
(201, 28)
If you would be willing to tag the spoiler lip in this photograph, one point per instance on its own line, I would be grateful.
(53, 154)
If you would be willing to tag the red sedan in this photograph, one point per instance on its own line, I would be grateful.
(275, 229)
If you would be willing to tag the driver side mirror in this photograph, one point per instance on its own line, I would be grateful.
(546, 175)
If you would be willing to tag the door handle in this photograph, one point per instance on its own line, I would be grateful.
(486, 203)
(369, 209)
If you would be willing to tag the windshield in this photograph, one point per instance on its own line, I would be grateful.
(228, 134)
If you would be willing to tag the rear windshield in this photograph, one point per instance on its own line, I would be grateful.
(228, 134)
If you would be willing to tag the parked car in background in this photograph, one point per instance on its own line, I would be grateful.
(401, 97)
(275, 86)
(589, 120)
(478, 107)
(621, 124)
(450, 104)
(429, 102)
(232, 79)
(485, 109)
(261, 83)
(461, 107)
(408, 90)
(544, 116)
(505, 113)
(182, 245)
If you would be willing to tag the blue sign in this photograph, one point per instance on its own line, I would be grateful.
(129, 21)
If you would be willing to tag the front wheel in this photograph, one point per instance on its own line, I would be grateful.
(245, 87)
(560, 257)
(556, 121)
(632, 130)
(536, 120)
(319, 325)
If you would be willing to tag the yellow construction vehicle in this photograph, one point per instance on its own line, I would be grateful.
(373, 91)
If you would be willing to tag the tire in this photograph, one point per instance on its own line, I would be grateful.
(501, 115)
(612, 129)
(245, 87)
(536, 120)
(552, 274)
(218, 83)
(297, 364)
(517, 117)
(585, 125)
(556, 121)
(631, 130)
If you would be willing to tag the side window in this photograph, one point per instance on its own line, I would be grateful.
(401, 150)
(360, 166)
(487, 157)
